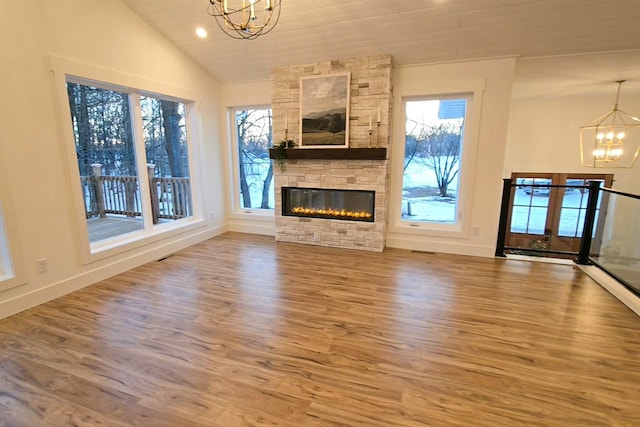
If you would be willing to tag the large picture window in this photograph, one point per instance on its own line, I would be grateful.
(434, 139)
(253, 180)
(132, 158)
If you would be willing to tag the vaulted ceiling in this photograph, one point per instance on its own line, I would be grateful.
(412, 31)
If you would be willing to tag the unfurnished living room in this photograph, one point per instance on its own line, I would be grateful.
(337, 213)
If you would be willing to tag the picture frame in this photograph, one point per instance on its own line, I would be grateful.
(324, 111)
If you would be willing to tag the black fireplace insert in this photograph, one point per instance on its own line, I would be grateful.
(351, 205)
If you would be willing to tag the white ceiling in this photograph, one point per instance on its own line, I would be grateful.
(412, 31)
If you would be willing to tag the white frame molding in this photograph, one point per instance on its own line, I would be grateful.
(237, 211)
(473, 91)
(65, 69)
(12, 272)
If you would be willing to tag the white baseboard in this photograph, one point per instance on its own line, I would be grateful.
(614, 287)
(71, 284)
(458, 248)
(265, 228)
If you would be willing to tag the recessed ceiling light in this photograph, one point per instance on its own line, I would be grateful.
(201, 32)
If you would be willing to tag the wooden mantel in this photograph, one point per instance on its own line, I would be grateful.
(332, 153)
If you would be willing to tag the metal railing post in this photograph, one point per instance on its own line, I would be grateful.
(589, 222)
(507, 184)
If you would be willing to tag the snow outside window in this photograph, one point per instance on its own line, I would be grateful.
(434, 139)
(253, 170)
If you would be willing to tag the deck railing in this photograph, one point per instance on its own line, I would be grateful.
(120, 195)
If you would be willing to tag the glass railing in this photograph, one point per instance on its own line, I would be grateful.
(603, 227)
(616, 249)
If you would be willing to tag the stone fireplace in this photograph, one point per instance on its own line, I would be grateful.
(319, 175)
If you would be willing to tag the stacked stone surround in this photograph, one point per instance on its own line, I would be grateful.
(371, 91)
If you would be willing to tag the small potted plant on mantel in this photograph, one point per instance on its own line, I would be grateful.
(279, 150)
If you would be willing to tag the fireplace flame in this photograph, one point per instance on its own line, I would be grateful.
(300, 210)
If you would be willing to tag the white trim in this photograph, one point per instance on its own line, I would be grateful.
(237, 211)
(126, 242)
(12, 271)
(81, 72)
(459, 247)
(64, 70)
(56, 290)
(473, 90)
(614, 287)
(253, 225)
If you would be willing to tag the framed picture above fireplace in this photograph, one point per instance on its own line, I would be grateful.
(324, 111)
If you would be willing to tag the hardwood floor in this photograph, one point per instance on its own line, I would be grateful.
(243, 331)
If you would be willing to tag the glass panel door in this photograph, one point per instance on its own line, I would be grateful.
(543, 217)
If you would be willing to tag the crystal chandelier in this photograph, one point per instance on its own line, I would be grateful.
(245, 19)
(612, 140)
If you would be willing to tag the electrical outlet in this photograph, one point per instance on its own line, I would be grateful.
(43, 265)
(212, 215)
(476, 230)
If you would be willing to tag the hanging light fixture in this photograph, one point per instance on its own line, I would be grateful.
(612, 140)
(245, 19)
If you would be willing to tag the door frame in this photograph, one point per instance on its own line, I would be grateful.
(551, 240)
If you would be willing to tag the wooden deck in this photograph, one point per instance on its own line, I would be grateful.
(105, 228)
(243, 331)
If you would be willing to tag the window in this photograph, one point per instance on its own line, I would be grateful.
(253, 170)
(166, 149)
(132, 157)
(434, 140)
(12, 272)
(6, 270)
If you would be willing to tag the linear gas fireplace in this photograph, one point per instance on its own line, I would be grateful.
(351, 205)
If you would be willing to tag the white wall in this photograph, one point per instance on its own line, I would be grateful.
(101, 34)
(481, 207)
(233, 96)
(553, 97)
(549, 108)
(496, 77)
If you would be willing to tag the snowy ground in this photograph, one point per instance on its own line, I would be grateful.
(421, 202)
(256, 181)
(420, 198)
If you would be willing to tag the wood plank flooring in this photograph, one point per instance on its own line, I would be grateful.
(243, 331)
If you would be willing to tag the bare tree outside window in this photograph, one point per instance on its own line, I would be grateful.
(109, 165)
(165, 138)
(255, 169)
(433, 154)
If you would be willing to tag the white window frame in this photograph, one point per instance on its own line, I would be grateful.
(67, 70)
(473, 92)
(12, 271)
(237, 210)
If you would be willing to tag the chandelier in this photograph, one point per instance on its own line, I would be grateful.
(245, 19)
(611, 140)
